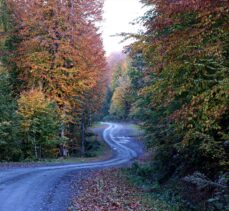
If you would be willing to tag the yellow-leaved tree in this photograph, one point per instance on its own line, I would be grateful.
(39, 124)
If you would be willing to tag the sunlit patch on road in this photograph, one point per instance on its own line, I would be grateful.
(123, 140)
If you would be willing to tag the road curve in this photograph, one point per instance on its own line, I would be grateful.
(32, 189)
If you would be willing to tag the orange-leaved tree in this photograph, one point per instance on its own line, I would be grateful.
(60, 52)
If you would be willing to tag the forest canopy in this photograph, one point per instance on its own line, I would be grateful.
(173, 81)
(176, 84)
(52, 75)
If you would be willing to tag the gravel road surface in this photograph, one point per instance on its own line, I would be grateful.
(49, 187)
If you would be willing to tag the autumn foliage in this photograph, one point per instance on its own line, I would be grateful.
(60, 50)
(39, 124)
(57, 56)
(177, 87)
(189, 60)
(180, 74)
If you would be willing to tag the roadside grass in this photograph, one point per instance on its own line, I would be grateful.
(151, 196)
(159, 197)
(175, 194)
(97, 148)
(136, 130)
(97, 125)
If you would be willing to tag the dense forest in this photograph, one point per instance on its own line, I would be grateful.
(52, 76)
(173, 81)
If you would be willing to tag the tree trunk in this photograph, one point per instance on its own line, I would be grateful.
(62, 130)
(83, 134)
(35, 148)
(61, 147)
(90, 119)
(40, 152)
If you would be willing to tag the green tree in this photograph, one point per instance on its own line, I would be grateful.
(184, 99)
(121, 85)
(9, 142)
(39, 124)
(106, 103)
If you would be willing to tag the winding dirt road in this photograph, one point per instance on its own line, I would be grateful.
(48, 187)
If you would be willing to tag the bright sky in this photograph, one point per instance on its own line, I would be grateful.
(117, 17)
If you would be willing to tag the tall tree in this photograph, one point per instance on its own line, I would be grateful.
(53, 51)
(185, 96)
(61, 52)
(9, 141)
